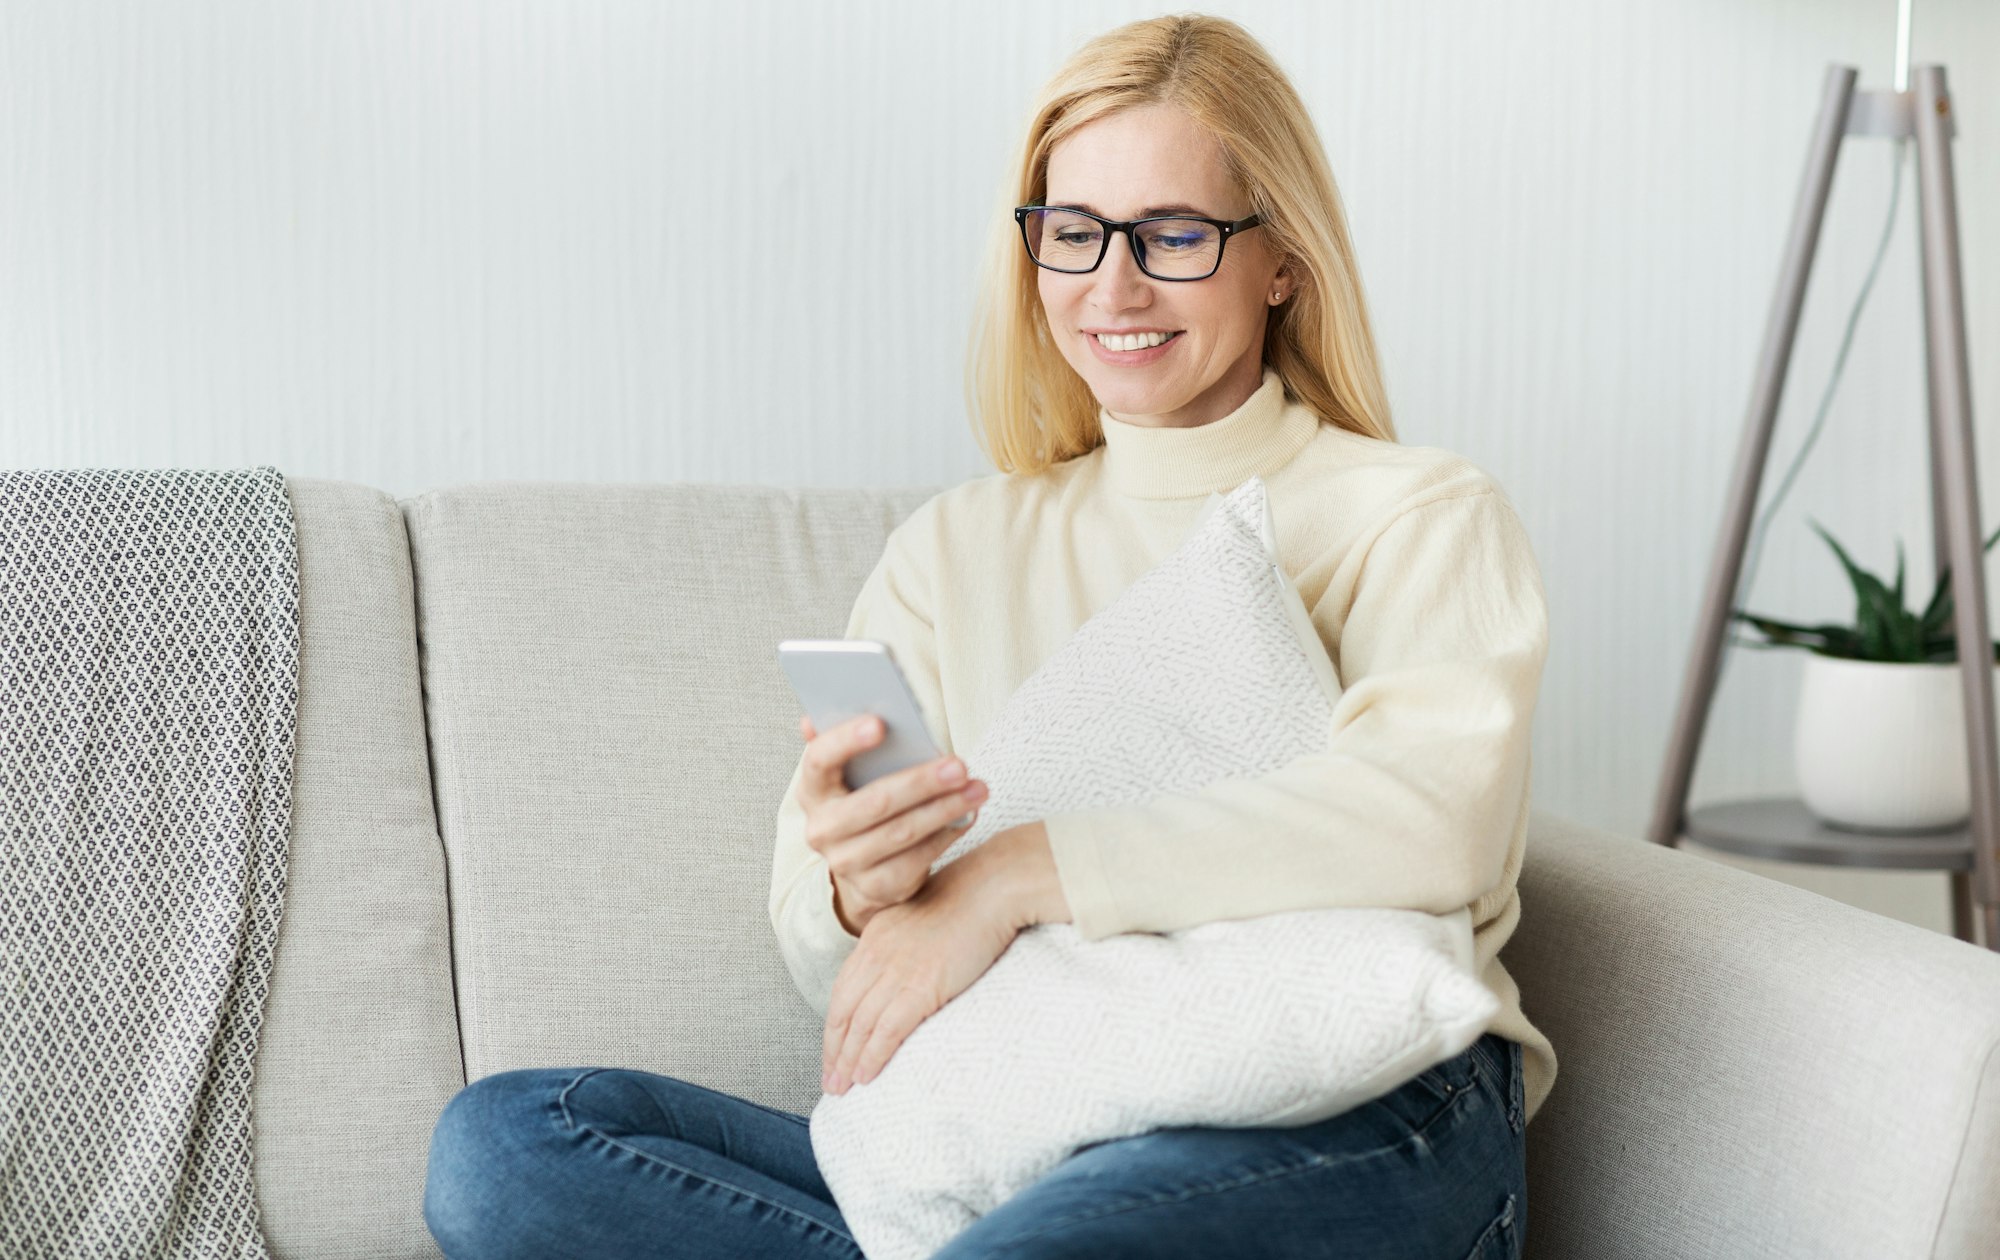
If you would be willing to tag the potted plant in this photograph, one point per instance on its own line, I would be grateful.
(1880, 740)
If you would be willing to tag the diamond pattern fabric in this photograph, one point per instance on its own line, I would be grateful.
(148, 688)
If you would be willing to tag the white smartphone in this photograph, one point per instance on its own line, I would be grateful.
(839, 679)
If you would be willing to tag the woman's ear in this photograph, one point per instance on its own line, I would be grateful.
(1285, 285)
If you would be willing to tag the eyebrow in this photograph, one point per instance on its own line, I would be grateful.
(1148, 212)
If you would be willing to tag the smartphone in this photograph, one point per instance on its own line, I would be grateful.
(839, 679)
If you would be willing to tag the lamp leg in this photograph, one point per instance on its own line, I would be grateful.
(1961, 906)
(1773, 360)
(1949, 381)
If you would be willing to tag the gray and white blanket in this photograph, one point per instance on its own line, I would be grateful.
(148, 689)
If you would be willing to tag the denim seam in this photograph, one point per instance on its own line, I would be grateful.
(1441, 1088)
(782, 1115)
(1445, 1092)
(752, 1195)
(1494, 1073)
(1446, 1089)
(1497, 1225)
(1516, 1089)
(562, 1101)
(1501, 1078)
(1195, 1191)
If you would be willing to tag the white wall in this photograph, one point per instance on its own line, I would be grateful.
(418, 244)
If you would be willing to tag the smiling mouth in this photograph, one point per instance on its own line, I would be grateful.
(1137, 341)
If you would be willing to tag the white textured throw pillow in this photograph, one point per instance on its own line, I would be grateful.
(1207, 667)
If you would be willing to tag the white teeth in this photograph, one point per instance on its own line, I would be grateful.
(1133, 341)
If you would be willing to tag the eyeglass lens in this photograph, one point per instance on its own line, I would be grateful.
(1178, 249)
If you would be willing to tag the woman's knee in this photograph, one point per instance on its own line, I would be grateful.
(492, 1143)
(619, 1101)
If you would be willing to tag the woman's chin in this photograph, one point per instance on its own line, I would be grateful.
(1123, 399)
(1136, 391)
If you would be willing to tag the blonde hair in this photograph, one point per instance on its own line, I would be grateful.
(1029, 408)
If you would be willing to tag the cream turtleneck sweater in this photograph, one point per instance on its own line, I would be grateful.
(1423, 585)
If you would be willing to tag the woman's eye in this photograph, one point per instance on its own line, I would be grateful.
(1176, 242)
(1076, 238)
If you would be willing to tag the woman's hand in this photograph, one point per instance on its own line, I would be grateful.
(913, 957)
(878, 841)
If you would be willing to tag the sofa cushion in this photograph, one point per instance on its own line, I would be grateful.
(1749, 1069)
(359, 1049)
(610, 737)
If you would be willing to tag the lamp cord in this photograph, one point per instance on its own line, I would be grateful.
(1819, 419)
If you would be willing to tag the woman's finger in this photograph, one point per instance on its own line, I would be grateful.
(862, 1027)
(897, 1022)
(831, 1038)
(848, 988)
(822, 774)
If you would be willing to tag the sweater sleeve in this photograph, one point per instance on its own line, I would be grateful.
(1414, 801)
(894, 607)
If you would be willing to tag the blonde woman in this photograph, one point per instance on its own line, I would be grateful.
(1171, 306)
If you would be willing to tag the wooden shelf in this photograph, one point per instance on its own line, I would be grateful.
(1781, 828)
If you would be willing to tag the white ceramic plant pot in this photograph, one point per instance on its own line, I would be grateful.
(1880, 745)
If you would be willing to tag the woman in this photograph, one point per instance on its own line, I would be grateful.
(1172, 307)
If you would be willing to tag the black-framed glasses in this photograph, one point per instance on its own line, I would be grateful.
(1167, 247)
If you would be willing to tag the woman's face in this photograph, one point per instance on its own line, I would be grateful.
(1122, 167)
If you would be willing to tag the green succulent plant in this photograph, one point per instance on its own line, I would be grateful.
(1883, 629)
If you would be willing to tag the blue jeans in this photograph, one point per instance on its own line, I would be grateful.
(551, 1162)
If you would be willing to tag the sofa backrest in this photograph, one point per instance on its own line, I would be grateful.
(610, 737)
(584, 681)
(359, 1048)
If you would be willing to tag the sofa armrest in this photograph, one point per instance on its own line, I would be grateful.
(1746, 1068)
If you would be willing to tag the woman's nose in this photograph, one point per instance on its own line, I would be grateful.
(1118, 276)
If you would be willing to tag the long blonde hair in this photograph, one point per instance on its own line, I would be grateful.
(1029, 408)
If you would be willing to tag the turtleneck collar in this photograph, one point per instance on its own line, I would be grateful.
(1258, 437)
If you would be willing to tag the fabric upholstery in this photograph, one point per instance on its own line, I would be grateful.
(610, 736)
(1749, 1069)
(359, 1051)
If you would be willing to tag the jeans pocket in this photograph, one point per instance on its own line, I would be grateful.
(1420, 1101)
(1434, 1084)
(1499, 1240)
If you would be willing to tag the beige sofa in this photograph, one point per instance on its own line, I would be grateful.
(542, 739)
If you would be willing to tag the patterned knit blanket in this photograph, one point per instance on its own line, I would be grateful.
(148, 687)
